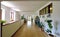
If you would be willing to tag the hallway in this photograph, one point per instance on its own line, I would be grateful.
(32, 31)
(17, 16)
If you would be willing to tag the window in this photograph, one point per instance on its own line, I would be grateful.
(3, 14)
(12, 16)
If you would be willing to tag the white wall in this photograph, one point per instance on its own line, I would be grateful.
(43, 19)
(10, 29)
(17, 16)
(55, 16)
(7, 14)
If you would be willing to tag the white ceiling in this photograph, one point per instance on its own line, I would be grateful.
(28, 6)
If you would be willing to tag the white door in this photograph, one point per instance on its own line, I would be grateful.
(29, 21)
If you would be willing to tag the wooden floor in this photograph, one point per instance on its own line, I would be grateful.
(30, 31)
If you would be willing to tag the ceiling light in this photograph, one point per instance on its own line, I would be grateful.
(6, 3)
(16, 9)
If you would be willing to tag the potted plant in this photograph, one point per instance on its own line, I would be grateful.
(49, 23)
(49, 31)
(42, 26)
(50, 26)
(22, 17)
(2, 22)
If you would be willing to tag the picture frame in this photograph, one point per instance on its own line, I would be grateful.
(46, 10)
(42, 12)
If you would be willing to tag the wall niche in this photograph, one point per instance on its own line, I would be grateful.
(46, 10)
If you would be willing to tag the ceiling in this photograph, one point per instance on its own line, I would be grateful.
(28, 6)
(30, 0)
